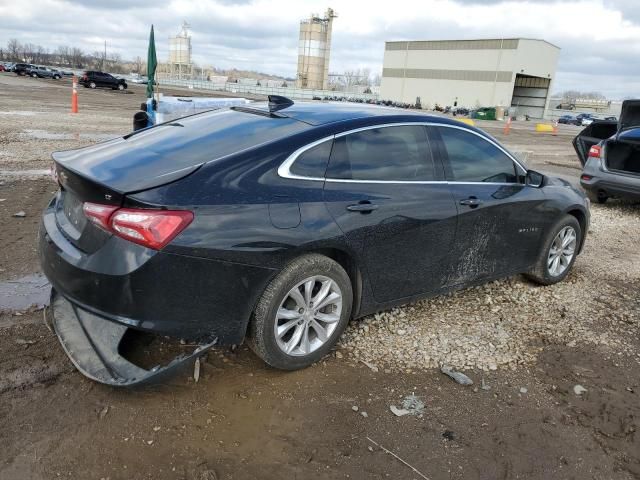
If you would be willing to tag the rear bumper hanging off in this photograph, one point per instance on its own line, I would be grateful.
(92, 342)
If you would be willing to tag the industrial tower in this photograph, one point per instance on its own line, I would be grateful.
(180, 65)
(314, 49)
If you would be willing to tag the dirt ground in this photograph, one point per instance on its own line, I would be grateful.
(243, 420)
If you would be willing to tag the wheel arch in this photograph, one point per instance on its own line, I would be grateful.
(581, 216)
(347, 261)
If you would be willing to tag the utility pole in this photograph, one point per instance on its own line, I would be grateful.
(104, 57)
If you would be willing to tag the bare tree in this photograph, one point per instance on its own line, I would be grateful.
(114, 63)
(13, 50)
(77, 57)
(138, 65)
(64, 55)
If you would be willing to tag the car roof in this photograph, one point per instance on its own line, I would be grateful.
(321, 113)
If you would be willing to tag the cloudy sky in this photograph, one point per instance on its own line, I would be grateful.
(600, 39)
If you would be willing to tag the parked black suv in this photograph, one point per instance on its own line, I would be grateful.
(22, 69)
(92, 79)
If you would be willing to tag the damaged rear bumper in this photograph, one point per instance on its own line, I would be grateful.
(92, 343)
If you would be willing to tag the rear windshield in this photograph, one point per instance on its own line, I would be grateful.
(211, 135)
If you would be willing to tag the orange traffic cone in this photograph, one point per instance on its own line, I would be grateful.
(74, 95)
(507, 126)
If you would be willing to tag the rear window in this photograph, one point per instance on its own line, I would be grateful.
(211, 135)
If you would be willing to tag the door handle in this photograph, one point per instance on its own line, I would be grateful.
(364, 206)
(472, 202)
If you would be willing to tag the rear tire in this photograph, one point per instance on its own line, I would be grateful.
(92, 85)
(34, 75)
(554, 262)
(598, 197)
(286, 330)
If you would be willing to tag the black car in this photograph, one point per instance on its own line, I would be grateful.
(281, 222)
(93, 79)
(22, 69)
(567, 119)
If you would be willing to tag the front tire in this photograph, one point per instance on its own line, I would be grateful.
(120, 87)
(34, 75)
(302, 313)
(559, 252)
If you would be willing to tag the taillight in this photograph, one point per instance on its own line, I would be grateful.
(595, 151)
(98, 214)
(150, 228)
(585, 177)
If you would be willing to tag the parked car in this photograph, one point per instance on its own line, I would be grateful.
(567, 119)
(22, 69)
(93, 79)
(43, 72)
(610, 154)
(281, 222)
(586, 121)
(580, 118)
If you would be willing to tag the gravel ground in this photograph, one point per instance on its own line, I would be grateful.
(506, 323)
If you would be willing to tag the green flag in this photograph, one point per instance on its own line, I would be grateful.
(152, 63)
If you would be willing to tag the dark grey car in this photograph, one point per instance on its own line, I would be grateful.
(610, 154)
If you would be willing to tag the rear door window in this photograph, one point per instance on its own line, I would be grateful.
(313, 162)
(471, 158)
(399, 153)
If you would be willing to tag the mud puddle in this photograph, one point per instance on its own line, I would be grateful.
(46, 135)
(25, 292)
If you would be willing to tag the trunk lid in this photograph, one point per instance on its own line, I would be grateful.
(592, 135)
(629, 115)
(106, 172)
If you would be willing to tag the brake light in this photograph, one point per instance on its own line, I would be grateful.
(146, 227)
(151, 228)
(98, 214)
(595, 151)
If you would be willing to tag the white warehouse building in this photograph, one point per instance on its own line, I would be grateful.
(508, 72)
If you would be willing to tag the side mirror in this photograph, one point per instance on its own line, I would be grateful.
(534, 179)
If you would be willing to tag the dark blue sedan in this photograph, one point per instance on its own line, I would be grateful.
(280, 222)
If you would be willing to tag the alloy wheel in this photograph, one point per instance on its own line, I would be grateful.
(562, 251)
(308, 315)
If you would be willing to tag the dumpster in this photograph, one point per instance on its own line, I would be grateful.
(485, 113)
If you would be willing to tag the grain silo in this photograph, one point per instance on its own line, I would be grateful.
(314, 49)
(180, 65)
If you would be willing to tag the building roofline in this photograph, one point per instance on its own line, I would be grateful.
(475, 39)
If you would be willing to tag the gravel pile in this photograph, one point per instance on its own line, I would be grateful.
(506, 323)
